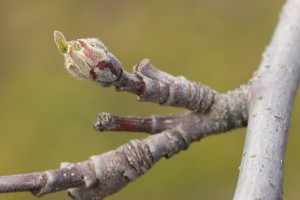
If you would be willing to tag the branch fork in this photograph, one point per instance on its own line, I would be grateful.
(208, 112)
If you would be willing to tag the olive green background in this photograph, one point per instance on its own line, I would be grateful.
(46, 116)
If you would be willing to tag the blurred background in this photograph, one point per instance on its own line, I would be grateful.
(46, 115)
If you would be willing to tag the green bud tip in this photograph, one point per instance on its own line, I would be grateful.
(60, 42)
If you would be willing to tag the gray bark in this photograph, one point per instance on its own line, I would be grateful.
(272, 93)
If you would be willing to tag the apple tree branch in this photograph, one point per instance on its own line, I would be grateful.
(264, 103)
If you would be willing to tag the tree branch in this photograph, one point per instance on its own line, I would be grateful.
(107, 173)
(266, 101)
(153, 124)
(90, 59)
(273, 90)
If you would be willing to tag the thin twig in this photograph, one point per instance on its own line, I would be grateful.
(153, 124)
(90, 59)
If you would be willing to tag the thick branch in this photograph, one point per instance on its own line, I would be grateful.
(272, 92)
